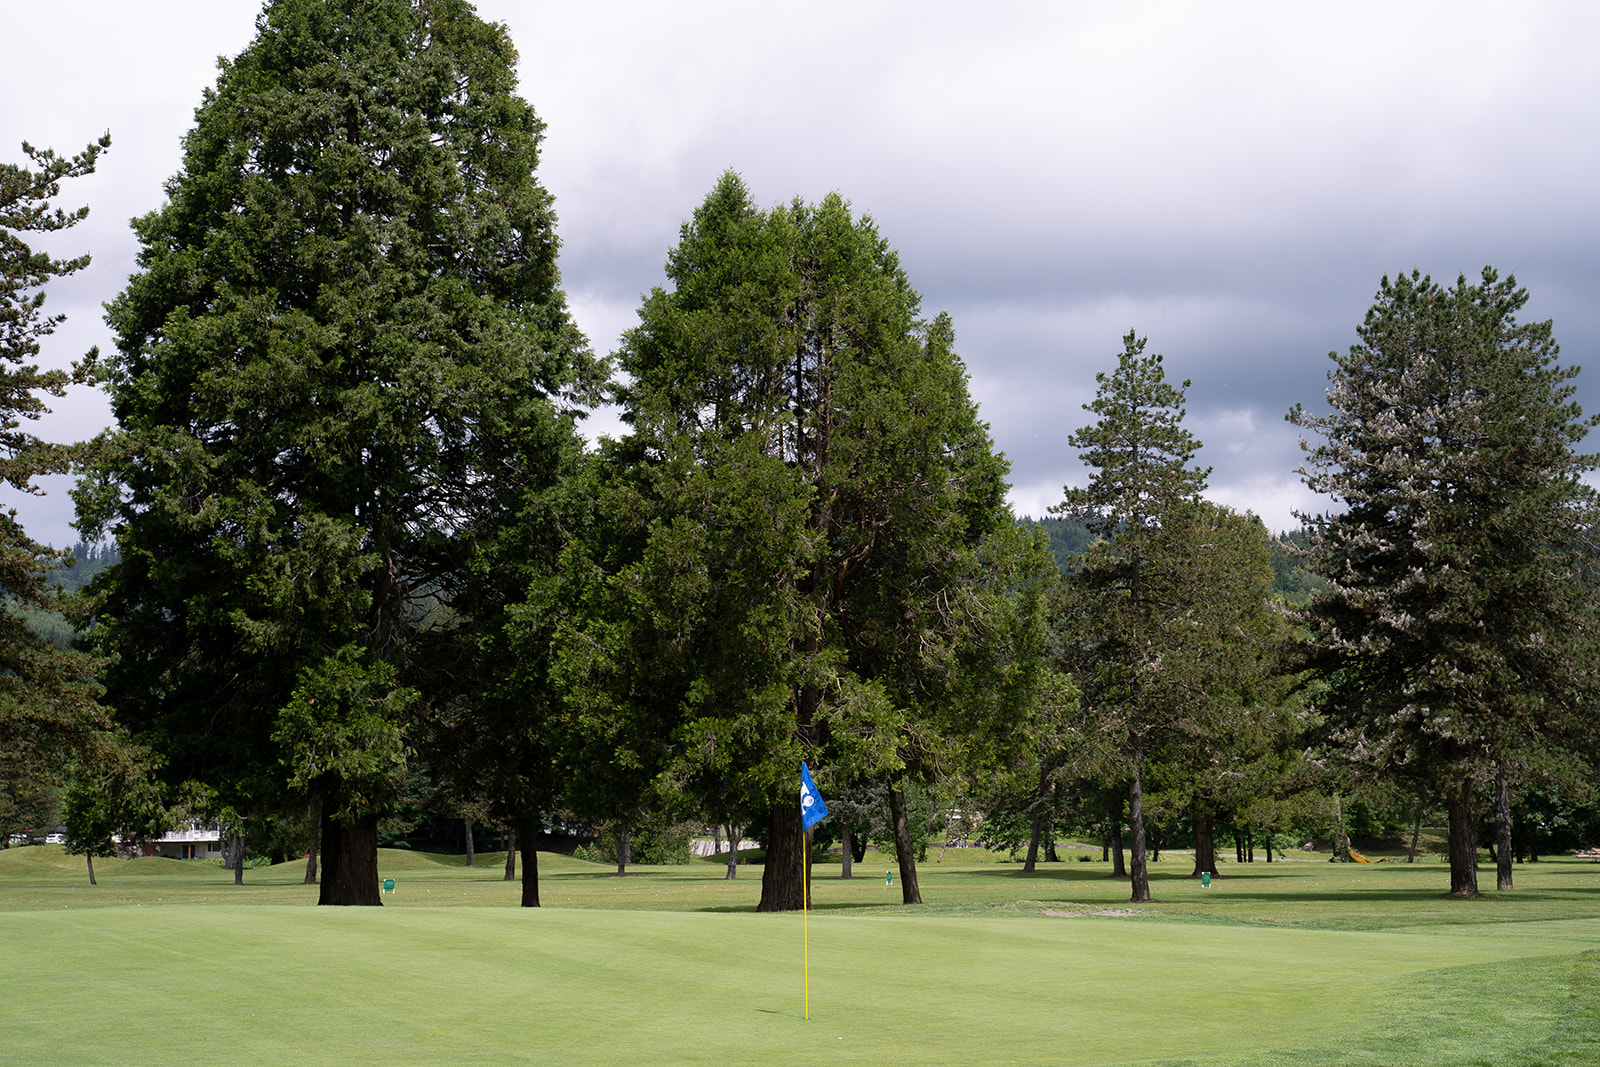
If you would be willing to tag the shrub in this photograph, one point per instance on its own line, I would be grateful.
(654, 842)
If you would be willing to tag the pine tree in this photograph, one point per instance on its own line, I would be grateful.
(339, 364)
(1456, 627)
(1140, 494)
(48, 712)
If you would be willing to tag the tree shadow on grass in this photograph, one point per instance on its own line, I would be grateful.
(834, 907)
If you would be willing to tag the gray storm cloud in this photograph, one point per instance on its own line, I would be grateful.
(1230, 180)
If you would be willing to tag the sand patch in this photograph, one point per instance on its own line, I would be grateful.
(1112, 913)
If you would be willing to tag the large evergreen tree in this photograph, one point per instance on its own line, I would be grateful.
(1130, 590)
(338, 362)
(811, 484)
(1454, 632)
(1224, 642)
(48, 711)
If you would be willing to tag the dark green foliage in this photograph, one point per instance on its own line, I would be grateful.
(1292, 579)
(1457, 630)
(793, 547)
(339, 365)
(1069, 539)
(655, 840)
(1013, 803)
(1554, 820)
(25, 207)
(865, 804)
(53, 624)
(28, 806)
(922, 815)
(113, 796)
(1008, 816)
(48, 712)
(1166, 624)
(1121, 607)
(1367, 822)
(83, 563)
(1139, 450)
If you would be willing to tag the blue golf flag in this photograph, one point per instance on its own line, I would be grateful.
(812, 809)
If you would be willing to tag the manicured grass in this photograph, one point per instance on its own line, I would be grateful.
(1294, 963)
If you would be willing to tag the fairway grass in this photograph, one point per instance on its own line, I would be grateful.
(1312, 965)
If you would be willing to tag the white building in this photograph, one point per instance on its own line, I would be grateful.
(192, 842)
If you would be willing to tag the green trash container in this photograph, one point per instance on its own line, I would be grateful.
(1205, 879)
(388, 885)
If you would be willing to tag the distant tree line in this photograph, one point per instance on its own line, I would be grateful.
(1292, 579)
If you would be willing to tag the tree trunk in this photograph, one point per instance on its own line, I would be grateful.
(845, 846)
(349, 861)
(90, 858)
(1463, 842)
(1416, 832)
(1502, 833)
(1031, 862)
(1522, 831)
(1139, 870)
(314, 815)
(1044, 820)
(785, 867)
(1119, 868)
(511, 855)
(528, 838)
(624, 847)
(1205, 844)
(1341, 840)
(236, 856)
(734, 837)
(472, 852)
(807, 856)
(910, 892)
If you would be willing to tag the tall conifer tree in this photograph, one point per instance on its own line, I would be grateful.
(48, 711)
(338, 367)
(1139, 497)
(1457, 625)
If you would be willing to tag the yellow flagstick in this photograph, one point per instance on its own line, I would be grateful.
(805, 911)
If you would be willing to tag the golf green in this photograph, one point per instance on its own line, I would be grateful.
(1064, 975)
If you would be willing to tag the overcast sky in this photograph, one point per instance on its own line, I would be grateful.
(1231, 180)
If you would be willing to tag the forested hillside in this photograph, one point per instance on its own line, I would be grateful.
(1070, 539)
(87, 561)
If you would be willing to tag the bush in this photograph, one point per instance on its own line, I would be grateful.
(655, 842)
